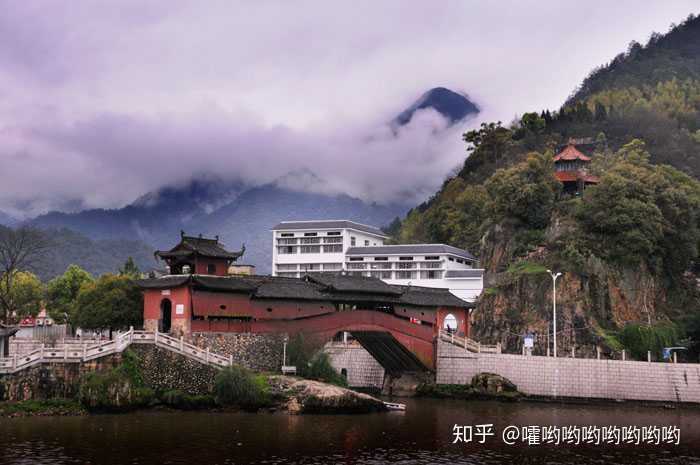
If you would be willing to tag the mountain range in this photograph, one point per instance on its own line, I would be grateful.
(237, 212)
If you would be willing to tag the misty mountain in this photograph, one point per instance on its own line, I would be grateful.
(7, 220)
(215, 207)
(453, 106)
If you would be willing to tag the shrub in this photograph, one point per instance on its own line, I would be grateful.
(639, 338)
(180, 400)
(237, 386)
(322, 370)
(121, 388)
(312, 363)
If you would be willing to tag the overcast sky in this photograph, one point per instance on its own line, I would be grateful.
(101, 102)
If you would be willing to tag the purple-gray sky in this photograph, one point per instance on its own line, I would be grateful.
(101, 102)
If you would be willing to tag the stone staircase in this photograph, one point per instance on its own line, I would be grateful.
(72, 352)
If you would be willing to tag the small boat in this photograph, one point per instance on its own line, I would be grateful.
(395, 406)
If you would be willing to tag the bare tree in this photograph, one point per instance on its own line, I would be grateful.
(21, 249)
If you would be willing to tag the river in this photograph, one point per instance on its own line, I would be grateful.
(421, 435)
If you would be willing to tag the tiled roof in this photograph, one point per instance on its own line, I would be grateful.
(571, 153)
(205, 247)
(351, 283)
(325, 287)
(164, 282)
(431, 296)
(410, 249)
(329, 224)
(473, 273)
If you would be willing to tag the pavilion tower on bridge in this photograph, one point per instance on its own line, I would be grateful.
(199, 255)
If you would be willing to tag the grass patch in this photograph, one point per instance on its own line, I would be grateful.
(526, 268)
(42, 407)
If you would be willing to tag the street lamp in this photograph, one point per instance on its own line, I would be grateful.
(554, 306)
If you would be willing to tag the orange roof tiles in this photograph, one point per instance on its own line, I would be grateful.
(571, 153)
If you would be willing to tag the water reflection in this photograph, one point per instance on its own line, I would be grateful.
(422, 435)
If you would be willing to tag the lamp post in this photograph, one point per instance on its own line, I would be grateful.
(554, 307)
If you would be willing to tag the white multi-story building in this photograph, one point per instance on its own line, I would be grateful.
(303, 247)
(429, 265)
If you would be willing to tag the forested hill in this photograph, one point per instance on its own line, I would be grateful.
(663, 58)
(628, 247)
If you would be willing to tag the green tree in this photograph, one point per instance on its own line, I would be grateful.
(526, 191)
(642, 212)
(25, 294)
(62, 292)
(111, 302)
(130, 269)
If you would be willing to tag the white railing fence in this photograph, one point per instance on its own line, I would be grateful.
(470, 344)
(76, 352)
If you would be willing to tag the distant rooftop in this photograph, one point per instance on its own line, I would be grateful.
(411, 249)
(191, 245)
(329, 224)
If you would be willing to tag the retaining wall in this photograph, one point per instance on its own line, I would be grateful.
(573, 377)
(260, 352)
(362, 369)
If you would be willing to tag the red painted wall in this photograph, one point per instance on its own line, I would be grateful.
(153, 297)
(201, 264)
(462, 316)
(240, 305)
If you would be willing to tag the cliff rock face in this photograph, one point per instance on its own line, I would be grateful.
(593, 297)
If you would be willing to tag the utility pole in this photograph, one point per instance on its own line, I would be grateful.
(554, 307)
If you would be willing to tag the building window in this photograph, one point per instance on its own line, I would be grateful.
(356, 259)
(459, 260)
(286, 241)
(352, 241)
(430, 265)
(332, 266)
(310, 234)
(366, 243)
(356, 266)
(432, 274)
(310, 249)
(311, 240)
(286, 234)
(381, 259)
(405, 266)
(311, 267)
(380, 266)
(405, 275)
(211, 268)
(333, 248)
(432, 257)
(333, 233)
(286, 267)
(451, 259)
(286, 250)
(405, 258)
(332, 240)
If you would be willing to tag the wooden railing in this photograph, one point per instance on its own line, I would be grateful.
(470, 344)
(76, 353)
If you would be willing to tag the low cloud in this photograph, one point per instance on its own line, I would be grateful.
(105, 101)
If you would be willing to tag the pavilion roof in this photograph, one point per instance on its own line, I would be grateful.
(571, 153)
(206, 247)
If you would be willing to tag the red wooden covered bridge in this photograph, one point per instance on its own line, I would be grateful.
(398, 325)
